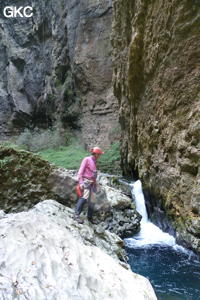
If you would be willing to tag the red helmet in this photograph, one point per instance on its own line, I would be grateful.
(96, 150)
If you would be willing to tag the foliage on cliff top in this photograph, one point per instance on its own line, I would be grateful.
(64, 149)
(110, 161)
(70, 157)
(36, 140)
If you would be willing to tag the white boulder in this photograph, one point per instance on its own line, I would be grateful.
(43, 257)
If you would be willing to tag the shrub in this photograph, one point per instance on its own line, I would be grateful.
(110, 161)
(42, 139)
(68, 157)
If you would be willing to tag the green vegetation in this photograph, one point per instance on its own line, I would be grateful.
(38, 139)
(64, 149)
(115, 133)
(110, 161)
(68, 157)
(10, 144)
(42, 139)
(4, 162)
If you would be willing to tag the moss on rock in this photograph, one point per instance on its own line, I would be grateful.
(156, 80)
(24, 179)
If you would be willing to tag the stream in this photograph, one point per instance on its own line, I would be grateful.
(173, 270)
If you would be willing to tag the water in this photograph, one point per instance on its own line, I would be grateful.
(173, 271)
(173, 274)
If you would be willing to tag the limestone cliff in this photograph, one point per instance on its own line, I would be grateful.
(56, 66)
(35, 67)
(93, 72)
(156, 80)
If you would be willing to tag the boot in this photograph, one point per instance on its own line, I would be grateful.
(91, 220)
(78, 219)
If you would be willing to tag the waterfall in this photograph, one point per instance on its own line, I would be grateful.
(136, 190)
(149, 234)
(172, 269)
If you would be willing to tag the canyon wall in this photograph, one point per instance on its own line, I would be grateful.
(56, 67)
(93, 72)
(35, 67)
(156, 80)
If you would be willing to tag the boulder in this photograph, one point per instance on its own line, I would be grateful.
(45, 255)
(26, 179)
(116, 209)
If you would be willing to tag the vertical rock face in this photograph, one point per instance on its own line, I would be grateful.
(35, 65)
(93, 71)
(156, 80)
(57, 66)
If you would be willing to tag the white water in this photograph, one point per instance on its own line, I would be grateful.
(149, 234)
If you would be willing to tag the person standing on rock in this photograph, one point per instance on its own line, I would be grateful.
(87, 175)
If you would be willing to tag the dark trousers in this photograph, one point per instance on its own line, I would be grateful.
(80, 204)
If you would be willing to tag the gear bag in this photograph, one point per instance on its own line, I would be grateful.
(79, 191)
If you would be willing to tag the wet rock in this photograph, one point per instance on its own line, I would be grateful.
(117, 211)
(156, 75)
(2, 213)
